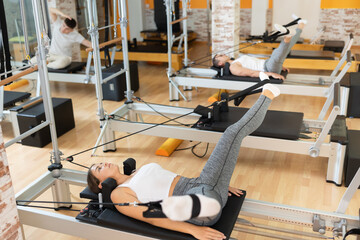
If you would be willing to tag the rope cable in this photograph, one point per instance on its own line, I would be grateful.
(130, 134)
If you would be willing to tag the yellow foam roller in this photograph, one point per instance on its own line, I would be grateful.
(168, 147)
(16, 84)
(216, 96)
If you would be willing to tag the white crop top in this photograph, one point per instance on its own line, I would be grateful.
(252, 63)
(150, 183)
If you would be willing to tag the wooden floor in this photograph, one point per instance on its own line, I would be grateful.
(283, 178)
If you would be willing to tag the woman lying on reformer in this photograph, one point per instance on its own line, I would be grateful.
(153, 183)
(251, 66)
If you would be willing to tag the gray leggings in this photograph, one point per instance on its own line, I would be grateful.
(215, 177)
(275, 62)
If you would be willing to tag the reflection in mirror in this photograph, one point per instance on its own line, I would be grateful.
(15, 29)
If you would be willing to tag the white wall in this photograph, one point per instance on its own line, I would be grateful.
(258, 16)
(136, 10)
(306, 9)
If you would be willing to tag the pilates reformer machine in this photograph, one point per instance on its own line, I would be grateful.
(75, 72)
(295, 84)
(9, 99)
(156, 53)
(58, 179)
(302, 56)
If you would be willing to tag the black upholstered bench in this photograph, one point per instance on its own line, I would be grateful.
(305, 54)
(277, 124)
(11, 97)
(72, 68)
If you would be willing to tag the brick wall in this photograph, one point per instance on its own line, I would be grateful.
(225, 26)
(269, 16)
(340, 23)
(9, 219)
(197, 22)
(245, 22)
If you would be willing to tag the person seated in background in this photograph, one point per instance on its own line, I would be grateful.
(153, 183)
(64, 35)
(251, 66)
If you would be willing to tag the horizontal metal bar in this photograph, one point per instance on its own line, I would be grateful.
(108, 26)
(17, 69)
(270, 144)
(293, 215)
(177, 38)
(73, 176)
(303, 90)
(69, 225)
(36, 188)
(114, 75)
(283, 230)
(65, 77)
(27, 133)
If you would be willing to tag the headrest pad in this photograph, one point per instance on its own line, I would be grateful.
(223, 71)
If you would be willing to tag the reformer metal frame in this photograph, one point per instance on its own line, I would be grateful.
(295, 84)
(60, 179)
(133, 113)
(320, 221)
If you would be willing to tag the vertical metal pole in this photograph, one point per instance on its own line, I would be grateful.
(60, 189)
(185, 32)
(169, 34)
(169, 45)
(115, 12)
(208, 23)
(24, 23)
(45, 16)
(44, 79)
(96, 55)
(123, 24)
(93, 31)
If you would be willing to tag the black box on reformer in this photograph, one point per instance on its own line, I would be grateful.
(114, 89)
(354, 95)
(334, 45)
(30, 118)
(352, 159)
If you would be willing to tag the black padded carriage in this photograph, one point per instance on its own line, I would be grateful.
(149, 48)
(72, 68)
(304, 54)
(334, 45)
(113, 219)
(11, 97)
(277, 124)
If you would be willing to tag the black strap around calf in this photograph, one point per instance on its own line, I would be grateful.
(196, 206)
